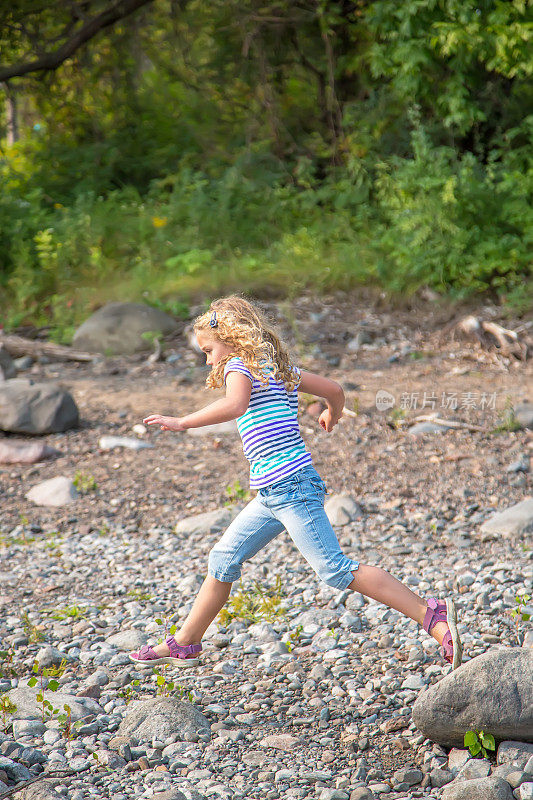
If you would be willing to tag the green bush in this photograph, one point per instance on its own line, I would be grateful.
(453, 223)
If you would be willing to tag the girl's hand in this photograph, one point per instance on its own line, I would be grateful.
(327, 420)
(166, 423)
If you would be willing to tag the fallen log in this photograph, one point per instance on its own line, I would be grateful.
(18, 346)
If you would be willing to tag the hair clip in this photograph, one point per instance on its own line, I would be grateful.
(213, 321)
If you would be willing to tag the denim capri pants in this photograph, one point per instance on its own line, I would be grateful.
(294, 504)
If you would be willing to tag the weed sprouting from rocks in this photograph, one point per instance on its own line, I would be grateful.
(7, 709)
(258, 604)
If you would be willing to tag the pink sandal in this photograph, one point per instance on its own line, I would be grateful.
(180, 655)
(452, 649)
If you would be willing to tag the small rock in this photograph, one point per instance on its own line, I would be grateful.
(112, 442)
(127, 639)
(342, 509)
(362, 793)
(474, 768)
(28, 727)
(210, 522)
(219, 429)
(58, 491)
(516, 753)
(14, 771)
(50, 657)
(523, 413)
(93, 690)
(408, 775)
(457, 758)
(440, 777)
(281, 741)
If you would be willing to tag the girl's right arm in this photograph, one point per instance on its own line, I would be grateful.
(332, 393)
(233, 405)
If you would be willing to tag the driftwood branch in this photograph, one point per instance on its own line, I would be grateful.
(449, 423)
(54, 59)
(17, 346)
(490, 335)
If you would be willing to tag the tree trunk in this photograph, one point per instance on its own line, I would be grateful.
(12, 115)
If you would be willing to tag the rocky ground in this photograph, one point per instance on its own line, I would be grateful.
(315, 700)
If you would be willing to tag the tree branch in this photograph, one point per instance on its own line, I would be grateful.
(51, 61)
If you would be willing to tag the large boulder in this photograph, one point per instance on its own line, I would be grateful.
(118, 328)
(36, 408)
(28, 707)
(493, 692)
(161, 718)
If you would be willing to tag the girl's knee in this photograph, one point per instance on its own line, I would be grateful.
(222, 567)
(337, 578)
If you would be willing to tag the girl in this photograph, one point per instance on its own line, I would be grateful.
(261, 393)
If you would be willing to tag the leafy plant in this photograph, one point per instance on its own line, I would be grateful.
(129, 691)
(235, 493)
(70, 612)
(255, 605)
(294, 638)
(164, 687)
(478, 742)
(138, 594)
(32, 631)
(84, 483)
(398, 417)
(40, 677)
(508, 422)
(7, 709)
(520, 613)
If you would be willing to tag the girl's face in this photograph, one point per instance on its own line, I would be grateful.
(214, 349)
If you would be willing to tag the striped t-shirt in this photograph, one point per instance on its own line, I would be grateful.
(269, 428)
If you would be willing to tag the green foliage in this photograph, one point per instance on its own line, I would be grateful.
(235, 493)
(521, 612)
(31, 631)
(138, 594)
(84, 483)
(257, 604)
(129, 692)
(7, 709)
(73, 612)
(479, 742)
(41, 677)
(207, 147)
(294, 638)
(508, 422)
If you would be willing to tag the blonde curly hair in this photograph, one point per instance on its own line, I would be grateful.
(244, 328)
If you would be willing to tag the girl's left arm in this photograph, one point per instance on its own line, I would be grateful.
(331, 391)
(233, 405)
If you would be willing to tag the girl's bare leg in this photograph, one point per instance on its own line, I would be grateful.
(210, 599)
(374, 582)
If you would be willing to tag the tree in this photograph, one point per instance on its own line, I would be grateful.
(54, 33)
